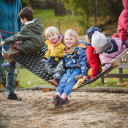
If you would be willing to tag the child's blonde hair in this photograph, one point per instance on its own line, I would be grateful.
(51, 30)
(73, 33)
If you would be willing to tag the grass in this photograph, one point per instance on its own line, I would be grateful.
(69, 21)
(49, 19)
(28, 79)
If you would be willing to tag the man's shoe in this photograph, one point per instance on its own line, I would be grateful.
(55, 99)
(54, 82)
(13, 96)
(62, 102)
(9, 65)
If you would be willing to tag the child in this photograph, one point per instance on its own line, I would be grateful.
(54, 55)
(108, 48)
(92, 58)
(29, 39)
(123, 23)
(75, 64)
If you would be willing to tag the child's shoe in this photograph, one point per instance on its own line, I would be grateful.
(9, 65)
(62, 102)
(55, 99)
(54, 82)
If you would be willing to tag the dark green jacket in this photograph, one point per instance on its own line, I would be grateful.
(30, 37)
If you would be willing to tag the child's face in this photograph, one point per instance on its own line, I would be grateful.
(70, 41)
(98, 49)
(23, 21)
(53, 38)
(86, 37)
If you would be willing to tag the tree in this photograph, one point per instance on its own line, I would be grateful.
(87, 8)
(81, 8)
(28, 2)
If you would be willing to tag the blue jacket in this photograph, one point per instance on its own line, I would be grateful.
(77, 59)
(9, 21)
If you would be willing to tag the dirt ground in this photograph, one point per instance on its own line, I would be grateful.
(85, 110)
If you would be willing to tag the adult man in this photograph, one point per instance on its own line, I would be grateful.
(9, 22)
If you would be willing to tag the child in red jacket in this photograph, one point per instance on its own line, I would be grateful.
(92, 58)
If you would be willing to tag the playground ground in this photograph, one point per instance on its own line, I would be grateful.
(85, 110)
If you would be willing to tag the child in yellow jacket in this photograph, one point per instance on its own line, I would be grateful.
(54, 55)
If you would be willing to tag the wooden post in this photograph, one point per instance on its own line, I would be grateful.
(102, 80)
(120, 70)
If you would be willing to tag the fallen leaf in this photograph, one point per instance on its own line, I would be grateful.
(33, 120)
(29, 82)
(100, 96)
(106, 109)
(46, 90)
(114, 78)
(114, 112)
(126, 83)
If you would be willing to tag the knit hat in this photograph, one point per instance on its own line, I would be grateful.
(98, 40)
(91, 31)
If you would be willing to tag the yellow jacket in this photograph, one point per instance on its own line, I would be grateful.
(56, 51)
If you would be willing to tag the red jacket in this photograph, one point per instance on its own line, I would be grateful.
(123, 22)
(93, 61)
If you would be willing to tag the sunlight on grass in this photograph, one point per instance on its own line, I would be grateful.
(49, 19)
(28, 79)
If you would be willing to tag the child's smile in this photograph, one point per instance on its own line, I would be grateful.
(70, 41)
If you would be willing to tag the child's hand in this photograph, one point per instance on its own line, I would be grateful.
(2, 43)
(85, 77)
(43, 60)
(105, 74)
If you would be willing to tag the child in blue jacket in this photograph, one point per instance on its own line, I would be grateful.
(75, 64)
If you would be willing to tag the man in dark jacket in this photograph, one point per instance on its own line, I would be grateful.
(9, 21)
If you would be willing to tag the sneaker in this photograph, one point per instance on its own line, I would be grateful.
(9, 65)
(55, 99)
(54, 82)
(62, 102)
(13, 96)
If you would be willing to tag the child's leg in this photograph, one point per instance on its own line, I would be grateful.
(63, 81)
(51, 66)
(13, 49)
(68, 88)
(58, 72)
(60, 89)
(71, 81)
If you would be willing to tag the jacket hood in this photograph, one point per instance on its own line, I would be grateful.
(36, 26)
(125, 4)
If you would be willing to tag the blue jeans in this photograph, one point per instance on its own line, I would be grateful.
(68, 81)
(10, 77)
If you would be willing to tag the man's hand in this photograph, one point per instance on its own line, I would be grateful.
(2, 43)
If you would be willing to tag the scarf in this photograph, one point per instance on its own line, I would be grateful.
(69, 50)
(59, 39)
